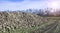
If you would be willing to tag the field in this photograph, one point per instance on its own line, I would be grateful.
(20, 22)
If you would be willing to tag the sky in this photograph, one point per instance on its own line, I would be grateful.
(26, 4)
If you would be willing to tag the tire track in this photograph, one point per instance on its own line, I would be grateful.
(58, 28)
(50, 27)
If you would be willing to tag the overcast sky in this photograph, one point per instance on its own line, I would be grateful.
(23, 4)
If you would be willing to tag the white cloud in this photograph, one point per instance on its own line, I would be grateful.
(7, 5)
